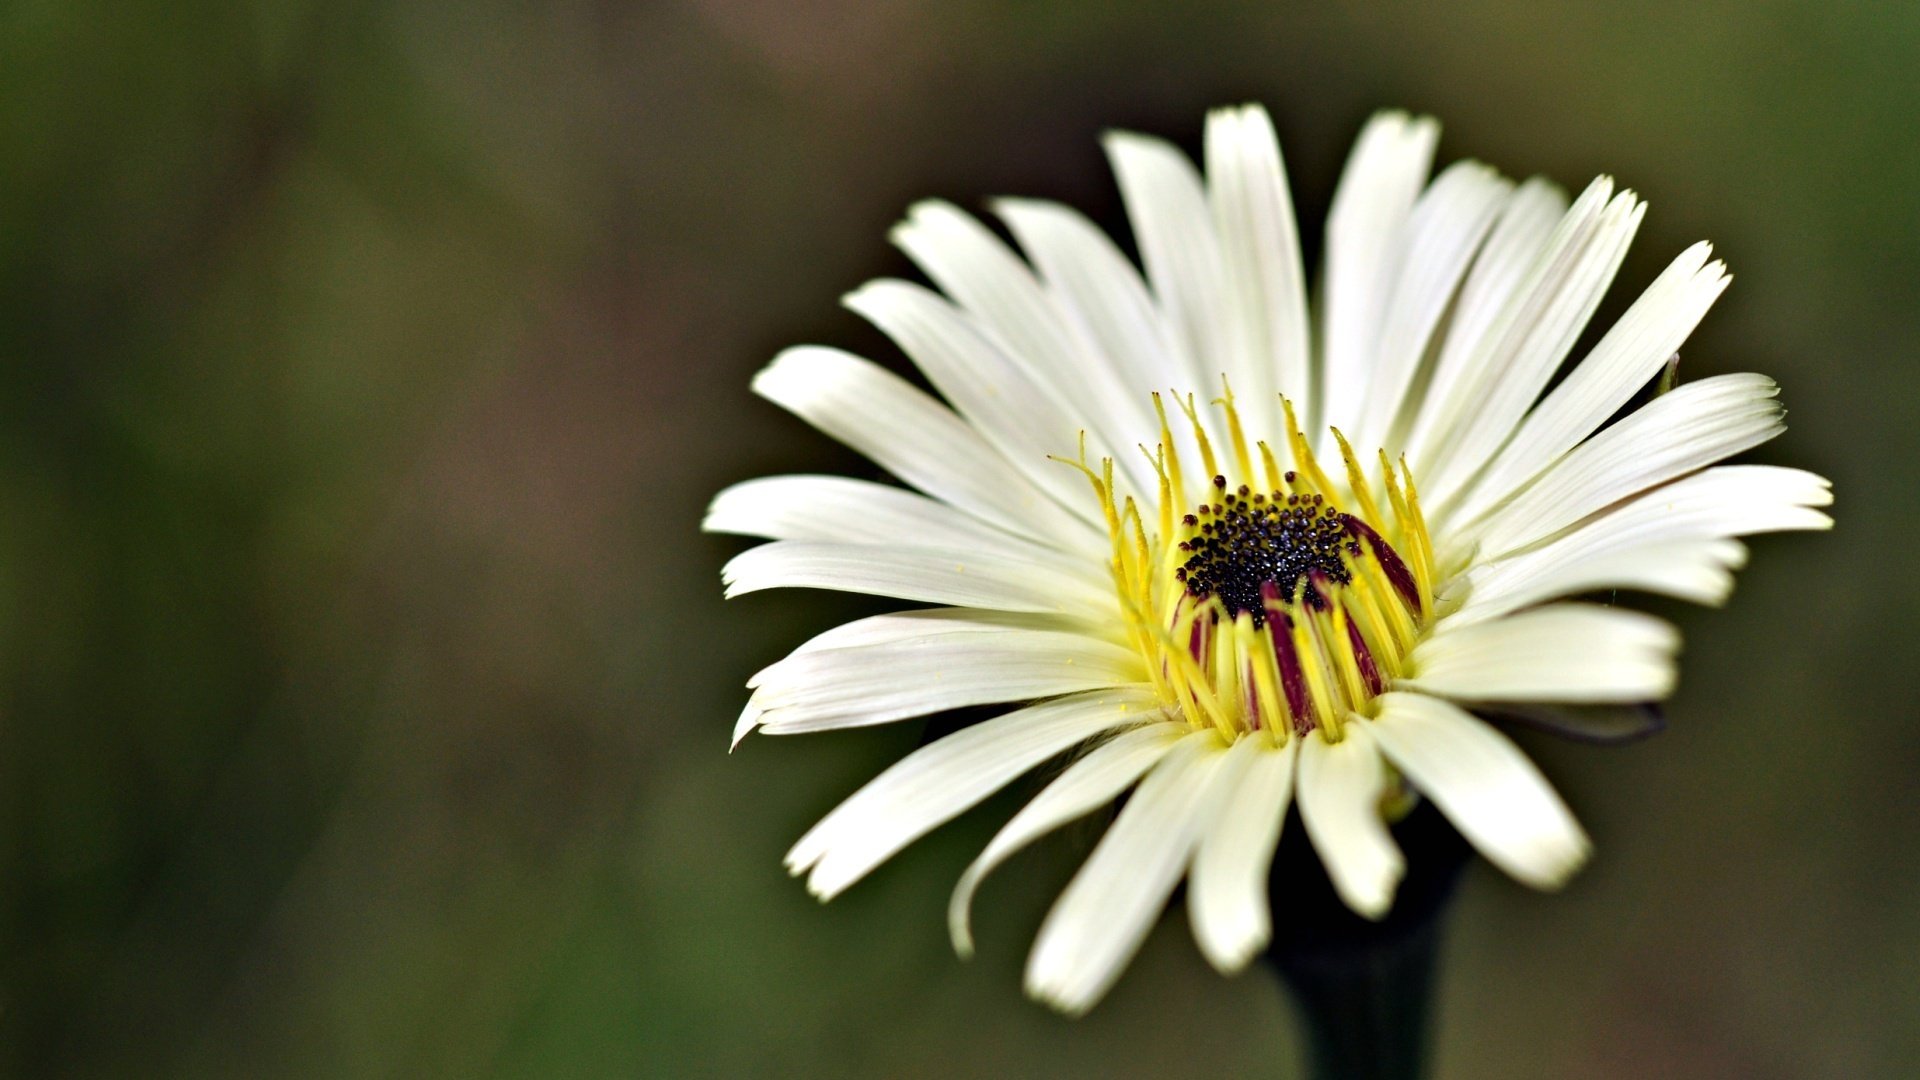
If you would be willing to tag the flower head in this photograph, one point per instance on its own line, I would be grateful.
(1232, 556)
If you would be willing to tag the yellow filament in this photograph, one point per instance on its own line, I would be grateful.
(1421, 543)
(1275, 482)
(1303, 459)
(1266, 678)
(1239, 437)
(1345, 661)
(1314, 666)
(1375, 627)
(1173, 456)
(1357, 480)
(1200, 436)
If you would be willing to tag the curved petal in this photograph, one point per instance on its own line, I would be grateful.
(941, 780)
(1173, 228)
(1227, 889)
(968, 578)
(1526, 223)
(1088, 784)
(877, 684)
(1094, 280)
(1485, 785)
(1673, 539)
(916, 438)
(1617, 368)
(842, 509)
(1699, 570)
(1564, 652)
(1442, 234)
(1266, 287)
(1676, 433)
(1340, 789)
(1027, 420)
(1383, 176)
(1103, 916)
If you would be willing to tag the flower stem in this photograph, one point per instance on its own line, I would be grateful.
(1365, 989)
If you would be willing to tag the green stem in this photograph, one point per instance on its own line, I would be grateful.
(1365, 989)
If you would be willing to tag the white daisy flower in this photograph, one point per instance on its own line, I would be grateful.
(1233, 553)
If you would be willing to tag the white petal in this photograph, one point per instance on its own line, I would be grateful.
(839, 508)
(1093, 279)
(919, 440)
(1227, 889)
(1173, 228)
(1626, 358)
(1266, 287)
(921, 624)
(1027, 420)
(939, 781)
(1100, 920)
(1008, 307)
(1439, 240)
(1088, 784)
(1699, 570)
(1527, 223)
(1383, 176)
(1341, 785)
(1672, 539)
(878, 684)
(1485, 785)
(1680, 431)
(1529, 340)
(905, 626)
(968, 578)
(1566, 652)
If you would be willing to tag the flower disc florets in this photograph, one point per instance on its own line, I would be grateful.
(1274, 610)
(1251, 540)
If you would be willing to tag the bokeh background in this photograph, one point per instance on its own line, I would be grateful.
(367, 683)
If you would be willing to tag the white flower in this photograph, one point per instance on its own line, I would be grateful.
(1233, 555)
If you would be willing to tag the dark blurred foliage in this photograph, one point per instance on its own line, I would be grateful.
(367, 683)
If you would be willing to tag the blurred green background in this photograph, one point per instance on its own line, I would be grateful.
(367, 684)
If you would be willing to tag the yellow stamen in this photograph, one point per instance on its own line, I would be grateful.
(1239, 437)
(1357, 480)
(1200, 435)
(1303, 459)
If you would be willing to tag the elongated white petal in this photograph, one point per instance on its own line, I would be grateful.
(842, 509)
(1088, 784)
(1081, 265)
(1626, 358)
(1173, 228)
(937, 782)
(1266, 288)
(1527, 223)
(1700, 570)
(1340, 788)
(1034, 333)
(1686, 429)
(1565, 652)
(1485, 785)
(900, 628)
(932, 575)
(924, 623)
(1383, 176)
(1227, 889)
(1442, 234)
(1530, 339)
(1103, 916)
(878, 684)
(919, 440)
(1025, 419)
(1672, 539)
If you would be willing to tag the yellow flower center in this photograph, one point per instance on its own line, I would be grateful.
(1267, 607)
